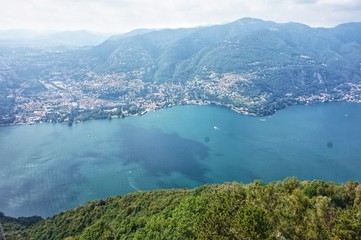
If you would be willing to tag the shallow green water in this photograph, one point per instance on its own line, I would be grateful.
(47, 168)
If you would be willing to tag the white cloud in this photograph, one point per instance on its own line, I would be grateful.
(124, 15)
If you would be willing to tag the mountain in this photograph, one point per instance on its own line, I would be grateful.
(46, 39)
(287, 209)
(131, 34)
(251, 66)
(266, 49)
(74, 38)
(281, 63)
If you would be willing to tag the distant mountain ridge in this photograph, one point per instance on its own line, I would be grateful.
(251, 66)
(244, 46)
(41, 39)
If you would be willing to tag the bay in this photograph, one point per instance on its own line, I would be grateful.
(47, 168)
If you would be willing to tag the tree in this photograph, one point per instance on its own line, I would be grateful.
(2, 234)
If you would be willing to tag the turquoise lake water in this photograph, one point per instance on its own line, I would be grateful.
(47, 168)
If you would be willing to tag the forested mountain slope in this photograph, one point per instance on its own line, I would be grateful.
(251, 66)
(288, 209)
(264, 49)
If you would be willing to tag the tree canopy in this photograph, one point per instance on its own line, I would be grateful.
(288, 209)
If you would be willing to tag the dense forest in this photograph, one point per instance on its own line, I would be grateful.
(288, 209)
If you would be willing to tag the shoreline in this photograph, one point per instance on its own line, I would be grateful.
(239, 110)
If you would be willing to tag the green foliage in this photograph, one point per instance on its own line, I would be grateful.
(11, 227)
(283, 64)
(287, 209)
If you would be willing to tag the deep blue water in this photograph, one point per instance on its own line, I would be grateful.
(47, 168)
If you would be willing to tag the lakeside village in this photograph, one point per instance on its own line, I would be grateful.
(111, 96)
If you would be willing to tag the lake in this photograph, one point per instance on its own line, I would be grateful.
(47, 168)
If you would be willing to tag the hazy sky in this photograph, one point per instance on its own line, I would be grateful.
(119, 16)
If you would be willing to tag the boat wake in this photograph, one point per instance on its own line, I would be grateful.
(131, 181)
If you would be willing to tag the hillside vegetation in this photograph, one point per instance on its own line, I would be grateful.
(250, 66)
(288, 209)
(264, 51)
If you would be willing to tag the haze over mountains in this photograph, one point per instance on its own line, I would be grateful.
(46, 39)
(252, 66)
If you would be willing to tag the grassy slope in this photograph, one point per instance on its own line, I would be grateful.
(288, 209)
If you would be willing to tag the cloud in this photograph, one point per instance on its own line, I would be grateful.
(125, 15)
(306, 1)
